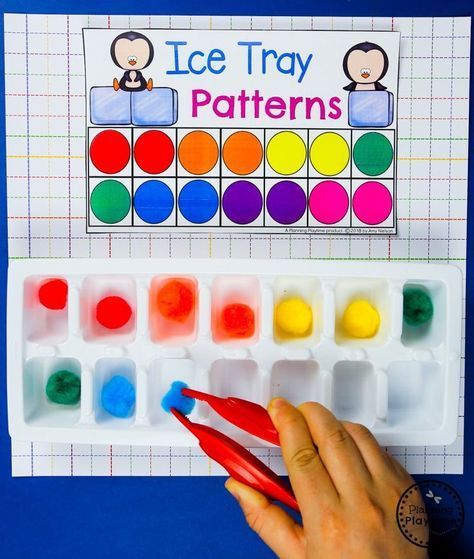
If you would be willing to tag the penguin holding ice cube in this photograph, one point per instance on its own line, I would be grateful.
(132, 52)
(370, 104)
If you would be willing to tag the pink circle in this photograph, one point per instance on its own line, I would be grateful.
(328, 202)
(372, 202)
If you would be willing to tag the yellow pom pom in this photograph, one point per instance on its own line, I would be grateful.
(361, 319)
(293, 318)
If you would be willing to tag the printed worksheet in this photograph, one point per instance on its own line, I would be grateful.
(189, 130)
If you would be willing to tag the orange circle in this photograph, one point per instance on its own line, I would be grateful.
(242, 153)
(198, 152)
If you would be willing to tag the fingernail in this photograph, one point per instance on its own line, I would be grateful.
(275, 405)
(278, 403)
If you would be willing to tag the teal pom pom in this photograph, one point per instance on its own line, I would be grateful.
(417, 307)
(64, 387)
(118, 397)
(174, 398)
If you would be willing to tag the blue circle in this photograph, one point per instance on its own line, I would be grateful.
(153, 201)
(198, 201)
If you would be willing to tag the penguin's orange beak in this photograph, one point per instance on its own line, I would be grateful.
(365, 75)
(132, 62)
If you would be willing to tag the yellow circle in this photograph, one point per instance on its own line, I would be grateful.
(361, 319)
(329, 154)
(293, 318)
(286, 153)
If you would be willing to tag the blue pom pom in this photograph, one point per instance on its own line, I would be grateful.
(118, 397)
(175, 399)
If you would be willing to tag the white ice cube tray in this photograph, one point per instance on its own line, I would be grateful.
(402, 384)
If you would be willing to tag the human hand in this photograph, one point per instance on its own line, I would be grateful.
(346, 485)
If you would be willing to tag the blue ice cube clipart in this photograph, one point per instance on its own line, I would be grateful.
(372, 109)
(158, 107)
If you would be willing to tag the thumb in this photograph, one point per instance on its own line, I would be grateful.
(276, 528)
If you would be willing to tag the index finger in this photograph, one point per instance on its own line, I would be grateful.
(309, 479)
(337, 449)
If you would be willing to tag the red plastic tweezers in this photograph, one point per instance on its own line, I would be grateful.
(237, 460)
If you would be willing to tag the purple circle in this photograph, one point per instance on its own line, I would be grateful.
(286, 202)
(242, 202)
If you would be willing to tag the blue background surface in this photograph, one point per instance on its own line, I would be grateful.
(178, 517)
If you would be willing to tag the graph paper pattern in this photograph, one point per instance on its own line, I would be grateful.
(45, 126)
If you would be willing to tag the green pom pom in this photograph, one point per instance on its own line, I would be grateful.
(64, 387)
(417, 307)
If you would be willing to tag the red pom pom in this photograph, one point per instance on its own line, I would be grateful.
(113, 312)
(238, 320)
(175, 300)
(53, 294)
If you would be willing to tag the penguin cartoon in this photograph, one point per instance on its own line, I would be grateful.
(132, 52)
(365, 65)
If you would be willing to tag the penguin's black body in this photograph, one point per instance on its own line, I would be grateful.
(138, 78)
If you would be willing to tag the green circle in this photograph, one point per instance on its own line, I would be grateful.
(373, 154)
(64, 387)
(110, 201)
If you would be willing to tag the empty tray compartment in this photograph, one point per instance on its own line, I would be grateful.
(297, 381)
(354, 392)
(415, 395)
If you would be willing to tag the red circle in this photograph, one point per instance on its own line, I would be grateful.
(154, 152)
(113, 312)
(52, 294)
(110, 151)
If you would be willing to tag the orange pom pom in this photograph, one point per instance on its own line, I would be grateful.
(175, 300)
(238, 320)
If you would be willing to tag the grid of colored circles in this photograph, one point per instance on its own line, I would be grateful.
(242, 154)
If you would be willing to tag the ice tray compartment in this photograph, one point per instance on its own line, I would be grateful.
(38, 410)
(181, 326)
(308, 290)
(376, 292)
(298, 381)
(354, 392)
(403, 385)
(232, 330)
(105, 369)
(95, 289)
(162, 373)
(415, 395)
(433, 332)
(233, 377)
(42, 325)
